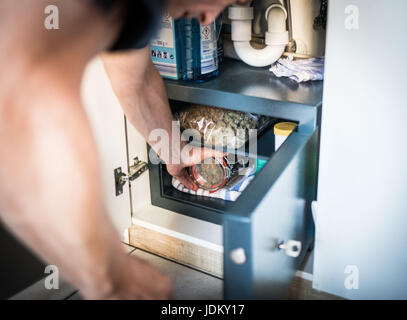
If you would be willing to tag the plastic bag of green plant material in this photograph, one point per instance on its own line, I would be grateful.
(221, 127)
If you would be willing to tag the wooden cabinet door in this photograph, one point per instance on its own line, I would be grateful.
(108, 124)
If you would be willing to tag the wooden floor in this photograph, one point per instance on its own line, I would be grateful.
(301, 289)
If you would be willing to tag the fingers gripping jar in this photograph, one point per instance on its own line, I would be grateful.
(213, 175)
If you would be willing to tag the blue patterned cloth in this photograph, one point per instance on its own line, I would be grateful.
(299, 70)
(230, 192)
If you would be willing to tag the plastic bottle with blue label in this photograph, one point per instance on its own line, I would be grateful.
(166, 48)
(199, 51)
(221, 52)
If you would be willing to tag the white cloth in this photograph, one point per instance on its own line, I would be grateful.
(230, 192)
(299, 70)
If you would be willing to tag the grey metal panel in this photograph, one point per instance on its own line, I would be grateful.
(275, 207)
(163, 195)
(362, 204)
(290, 174)
(244, 88)
(237, 234)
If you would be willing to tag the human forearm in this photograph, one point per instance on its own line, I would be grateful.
(141, 93)
(50, 187)
(50, 190)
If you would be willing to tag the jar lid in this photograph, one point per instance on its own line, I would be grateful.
(284, 128)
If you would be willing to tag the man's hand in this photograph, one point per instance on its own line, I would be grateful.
(205, 11)
(142, 95)
(139, 280)
(55, 202)
(188, 159)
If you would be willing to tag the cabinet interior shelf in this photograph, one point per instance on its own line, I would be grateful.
(244, 88)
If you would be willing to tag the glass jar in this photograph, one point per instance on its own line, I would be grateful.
(211, 176)
(214, 174)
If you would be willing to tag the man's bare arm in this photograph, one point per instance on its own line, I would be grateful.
(46, 161)
(50, 188)
(142, 95)
(140, 90)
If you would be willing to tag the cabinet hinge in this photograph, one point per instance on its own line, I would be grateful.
(121, 178)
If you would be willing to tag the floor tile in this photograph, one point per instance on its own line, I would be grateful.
(37, 291)
(189, 284)
(127, 248)
(76, 296)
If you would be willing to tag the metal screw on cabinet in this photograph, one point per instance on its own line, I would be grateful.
(238, 256)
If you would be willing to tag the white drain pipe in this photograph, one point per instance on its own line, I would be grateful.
(276, 36)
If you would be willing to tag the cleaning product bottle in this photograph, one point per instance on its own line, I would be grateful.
(199, 51)
(166, 48)
(221, 51)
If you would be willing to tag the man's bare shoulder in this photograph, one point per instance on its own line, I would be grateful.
(41, 32)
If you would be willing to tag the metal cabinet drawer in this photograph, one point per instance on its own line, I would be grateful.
(268, 230)
(209, 209)
(273, 211)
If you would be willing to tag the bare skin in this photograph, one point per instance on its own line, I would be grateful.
(49, 185)
(205, 10)
(142, 96)
(50, 195)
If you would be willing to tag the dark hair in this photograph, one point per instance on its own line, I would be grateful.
(141, 19)
(106, 5)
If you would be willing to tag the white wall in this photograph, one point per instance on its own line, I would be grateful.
(361, 215)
